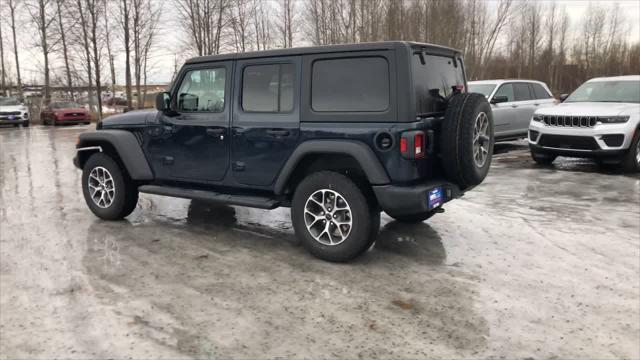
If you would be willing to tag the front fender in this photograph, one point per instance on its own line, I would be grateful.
(125, 144)
(368, 161)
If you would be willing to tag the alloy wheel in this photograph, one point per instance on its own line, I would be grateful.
(101, 187)
(481, 139)
(328, 217)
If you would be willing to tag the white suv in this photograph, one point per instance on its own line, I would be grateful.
(601, 120)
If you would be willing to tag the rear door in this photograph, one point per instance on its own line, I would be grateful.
(525, 109)
(542, 96)
(266, 118)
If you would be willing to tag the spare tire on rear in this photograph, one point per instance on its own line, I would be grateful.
(466, 139)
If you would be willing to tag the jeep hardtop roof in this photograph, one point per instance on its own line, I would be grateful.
(367, 46)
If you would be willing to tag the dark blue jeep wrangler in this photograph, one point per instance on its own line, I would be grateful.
(337, 133)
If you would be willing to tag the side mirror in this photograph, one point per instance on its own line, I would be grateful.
(499, 99)
(563, 97)
(163, 101)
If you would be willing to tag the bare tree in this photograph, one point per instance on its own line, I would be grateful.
(286, 22)
(84, 26)
(3, 83)
(110, 55)
(125, 20)
(204, 22)
(93, 8)
(146, 16)
(12, 12)
(65, 53)
(40, 16)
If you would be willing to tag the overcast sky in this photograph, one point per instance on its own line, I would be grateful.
(171, 40)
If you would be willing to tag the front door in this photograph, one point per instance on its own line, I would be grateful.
(192, 142)
(266, 118)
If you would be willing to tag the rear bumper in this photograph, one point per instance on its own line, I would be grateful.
(410, 200)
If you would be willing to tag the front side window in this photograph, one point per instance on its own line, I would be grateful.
(202, 90)
(268, 88)
(521, 90)
(506, 90)
(607, 91)
(350, 85)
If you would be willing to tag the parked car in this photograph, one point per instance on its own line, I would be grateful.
(513, 103)
(64, 112)
(322, 130)
(14, 112)
(600, 119)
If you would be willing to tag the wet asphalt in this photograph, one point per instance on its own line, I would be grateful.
(534, 263)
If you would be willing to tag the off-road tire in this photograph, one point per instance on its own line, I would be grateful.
(457, 139)
(126, 192)
(629, 160)
(415, 218)
(542, 158)
(364, 216)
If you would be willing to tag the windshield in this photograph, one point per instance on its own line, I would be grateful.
(65, 105)
(9, 102)
(607, 91)
(484, 89)
(435, 80)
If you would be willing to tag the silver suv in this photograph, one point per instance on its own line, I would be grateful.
(513, 103)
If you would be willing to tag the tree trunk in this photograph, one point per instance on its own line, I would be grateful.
(12, 8)
(65, 53)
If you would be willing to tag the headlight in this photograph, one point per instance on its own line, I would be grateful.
(537, 117)
(614, 119)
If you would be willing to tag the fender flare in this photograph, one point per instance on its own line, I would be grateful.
(126, 145)
(368, 161)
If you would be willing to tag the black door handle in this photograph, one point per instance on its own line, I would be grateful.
(278, 132)
(215, 131)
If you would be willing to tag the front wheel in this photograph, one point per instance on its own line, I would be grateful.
(631, 160)
(332, 217)
(107, 189)
(25, 124)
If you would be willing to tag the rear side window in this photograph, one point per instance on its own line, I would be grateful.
(350, 85)
(268, 88)
(521, 91)
(434, 81)
(506, 90)
(540, 92)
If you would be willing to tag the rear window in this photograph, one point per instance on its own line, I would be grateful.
(522, 92)
(540, 92)
(350, 85)
(434, 81)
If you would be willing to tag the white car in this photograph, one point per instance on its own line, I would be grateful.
(13, 112)
(513, 102)
(601, 120)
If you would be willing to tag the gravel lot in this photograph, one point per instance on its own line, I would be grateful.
(534, 263)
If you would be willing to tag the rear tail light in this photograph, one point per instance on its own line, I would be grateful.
(418, 145)
(412, 145)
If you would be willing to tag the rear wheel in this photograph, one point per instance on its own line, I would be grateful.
(332, 217)
(107, 189)
(542, 158)
(467, 139)
(631, 160)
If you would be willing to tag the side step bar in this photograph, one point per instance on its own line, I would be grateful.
(211, 196)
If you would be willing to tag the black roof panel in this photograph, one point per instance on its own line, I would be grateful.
(381, 45)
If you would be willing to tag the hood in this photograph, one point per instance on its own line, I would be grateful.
(590, 109)
(131, 118)
(13, 108)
